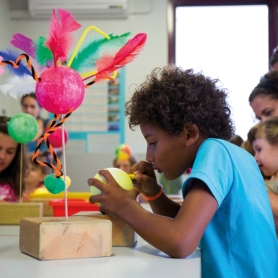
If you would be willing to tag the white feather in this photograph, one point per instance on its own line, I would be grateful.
(19, 86)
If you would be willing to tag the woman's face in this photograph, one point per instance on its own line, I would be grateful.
(8, 149)
(31, 106)
(264, 107)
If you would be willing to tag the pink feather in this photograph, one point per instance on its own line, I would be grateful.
(126, 54)
(60, 39)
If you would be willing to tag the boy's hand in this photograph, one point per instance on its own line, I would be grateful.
(145, 178)
(113, 197)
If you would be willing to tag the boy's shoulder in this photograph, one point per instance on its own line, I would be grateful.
(220, 145)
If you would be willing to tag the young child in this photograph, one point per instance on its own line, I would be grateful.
(123, 158)
(185, 120)
(264, 138)
(10, 161)
(35, 177)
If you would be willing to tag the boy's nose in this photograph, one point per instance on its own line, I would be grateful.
(2, 154)
(149, 157)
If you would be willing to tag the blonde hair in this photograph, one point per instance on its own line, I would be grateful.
(267, 130)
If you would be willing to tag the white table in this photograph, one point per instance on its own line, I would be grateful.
(142, 261)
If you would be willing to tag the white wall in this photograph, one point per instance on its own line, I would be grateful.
(154, 54)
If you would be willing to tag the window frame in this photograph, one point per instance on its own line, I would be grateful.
(172, 4)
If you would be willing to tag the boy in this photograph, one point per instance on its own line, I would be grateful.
(184, 118)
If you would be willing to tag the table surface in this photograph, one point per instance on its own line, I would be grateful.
(142, 260)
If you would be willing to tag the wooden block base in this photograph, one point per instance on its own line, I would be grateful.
(53, 238)
(122, 234)
(11, 213)
(47, 209)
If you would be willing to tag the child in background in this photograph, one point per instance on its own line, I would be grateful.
(10, 164)
(35, 177)
(124, 158)
(185, 120)
(264, 138)
(237, 140)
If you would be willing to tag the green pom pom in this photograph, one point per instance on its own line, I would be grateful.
(22, 127)
(54, 185)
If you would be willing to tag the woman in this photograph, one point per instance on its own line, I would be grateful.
(30, 105)
(264, 97)
(264, 102)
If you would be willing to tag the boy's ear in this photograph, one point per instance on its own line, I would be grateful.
(192, 133)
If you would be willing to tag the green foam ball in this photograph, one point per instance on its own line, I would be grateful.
(22, 127)
(54, 185)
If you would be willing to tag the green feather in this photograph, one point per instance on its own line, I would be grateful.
(87, 56)
(43, 53)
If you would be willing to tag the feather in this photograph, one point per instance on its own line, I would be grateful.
(23, 43)
(87, 56)
(60, 39)
(19, 86)
(11, 55)
(43, 54)
(126, 54)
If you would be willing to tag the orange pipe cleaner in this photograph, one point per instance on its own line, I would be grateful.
(44, 137)
(16, 63)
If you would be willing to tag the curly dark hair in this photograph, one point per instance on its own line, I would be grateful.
(268, 86)
(172, 97)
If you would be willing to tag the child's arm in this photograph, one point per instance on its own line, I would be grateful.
(274, 206)
(178, 237)
(147, 185)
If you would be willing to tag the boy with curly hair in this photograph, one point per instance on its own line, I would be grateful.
(185, 120)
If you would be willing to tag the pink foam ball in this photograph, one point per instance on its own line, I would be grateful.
(55, 139)
(60, 89)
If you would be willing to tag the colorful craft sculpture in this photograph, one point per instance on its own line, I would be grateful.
(58, 79)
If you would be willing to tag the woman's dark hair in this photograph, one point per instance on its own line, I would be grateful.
(32, 95)
(172, 97)
(268, 86)
(11, 174)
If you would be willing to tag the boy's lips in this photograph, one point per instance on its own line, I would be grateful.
(158, 170)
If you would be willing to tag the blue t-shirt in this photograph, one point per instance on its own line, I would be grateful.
(240, 240)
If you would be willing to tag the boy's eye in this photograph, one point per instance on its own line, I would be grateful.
(152, 143)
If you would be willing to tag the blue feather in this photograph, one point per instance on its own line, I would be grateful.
(11, 54)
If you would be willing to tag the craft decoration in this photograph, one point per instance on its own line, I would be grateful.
(22, 127)
(55, 139)
(123, 152)
(121, 177)
(61, 79)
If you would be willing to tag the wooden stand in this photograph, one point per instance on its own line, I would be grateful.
(47, 209)
(122, 234)
(53, 238)
(11, 213)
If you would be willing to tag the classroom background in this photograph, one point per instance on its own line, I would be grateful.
(153, 17)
